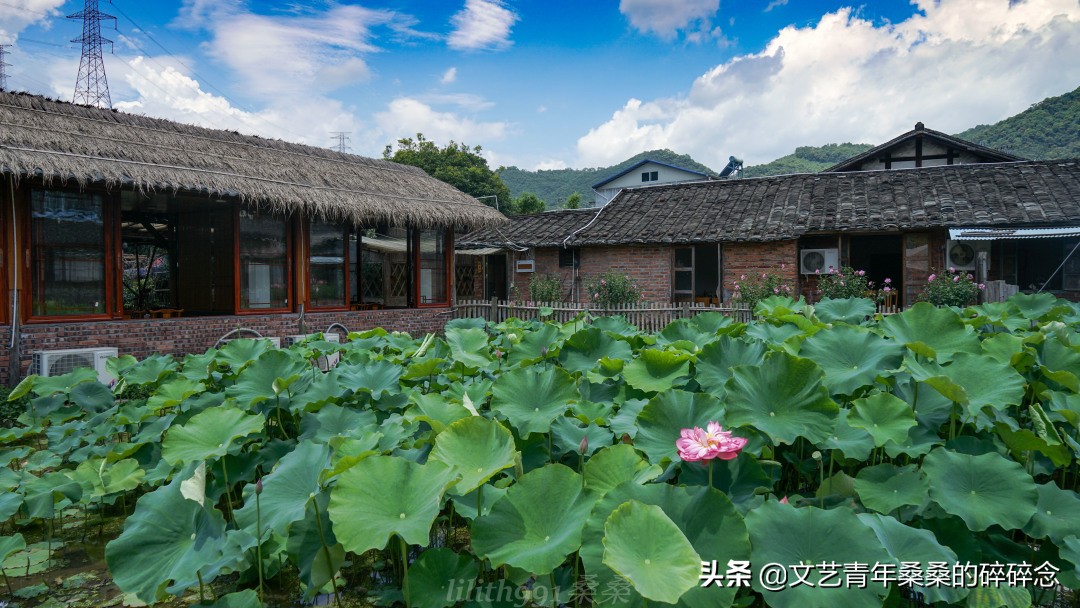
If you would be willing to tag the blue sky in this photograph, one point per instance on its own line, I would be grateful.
(557, 84)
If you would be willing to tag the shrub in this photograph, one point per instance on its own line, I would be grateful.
(751, 290)
(11, 410)
(849, 283)
(546, 288)
(954, 288)
(611, 289)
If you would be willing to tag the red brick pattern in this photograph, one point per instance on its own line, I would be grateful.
(648, 265)
(753, 259)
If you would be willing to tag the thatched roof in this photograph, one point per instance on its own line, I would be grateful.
(60, 142)
(1017, 194)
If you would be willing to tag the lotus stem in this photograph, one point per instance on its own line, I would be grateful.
(577, 574)
(405, 571)
(202, 595)
(710, 473)
(258, 532)
(228, 489)
(326, 554)
(7, 582)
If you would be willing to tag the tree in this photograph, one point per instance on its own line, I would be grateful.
(457, 164)
(573, 201)
(527, 204)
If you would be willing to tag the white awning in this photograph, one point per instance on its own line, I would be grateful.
(991, 234)
(481, 251)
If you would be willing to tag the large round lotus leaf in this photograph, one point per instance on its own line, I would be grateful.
(586, 347)
(982, 490)
(907, 544)
(208, 434)
(783, 397)
(265, 378)
(537, 524)
(656, 370)
(1033, 305)
(781, 534)
(436, 573)
(531, 398)
(663, 418)
(375, 377)
(850, 441)
(645, 547)
(697, 330)
(844, 310)
(930, 331)
(174, 392)
(974, 373)
(535, 345)
(313, 547)
(286, 490)
(705, 517)
(335, 421)
(242, 352)
(474, 448)
(41, 494)
(567, 434)
(248, 598)
(616, 464)
(98, 477)
(165, 544)
(714, 362)
(386, 495)
(1057, 514)
(11, 544)
(851, 358)
(887, 487)
(884, 416)
(469, 345)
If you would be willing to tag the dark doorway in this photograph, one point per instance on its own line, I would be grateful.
(882, 257)
(495, 277)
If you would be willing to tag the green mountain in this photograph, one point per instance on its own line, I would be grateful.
(807, 159)
(555, 185)
(1047, 130)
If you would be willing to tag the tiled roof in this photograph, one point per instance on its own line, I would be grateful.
(546, 229)
(1031, 193)
(645, 161)
(989, 154)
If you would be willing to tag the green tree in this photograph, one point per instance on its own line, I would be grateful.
(456, 164)
(573, 201)
(527, 204)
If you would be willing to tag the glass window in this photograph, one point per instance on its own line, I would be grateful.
(569, 258)
(432, 272)
(326, 264)
(68, 259)
(264, 263)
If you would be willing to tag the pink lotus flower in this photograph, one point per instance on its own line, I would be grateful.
(784, 501)
(695, 444)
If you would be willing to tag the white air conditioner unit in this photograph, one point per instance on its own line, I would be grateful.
(818, 261)
(60, 362)
(962, 255)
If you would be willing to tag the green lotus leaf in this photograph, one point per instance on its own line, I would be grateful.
(11, 544)
(537, 524)
(774, 334)
(535, 345)
(469, 346)
(919, 442)
(92, 397)
(1033, 306)
(852, 442)
(705, 516)
(982, 490)
(851, 358)
(615, 465)
(656, 370)
(209, 434)
(845, 310)
(1057, 514)
(313, 547)
(616, 324)
(714, 362)
(174, 392)
(646, 548)
(42, 386)
(366, 513)
(781, 534)
(435, 573)
(100, 478)
(9, 504)
(1006, 348)
(165, 544)
(930, 331)
(531, 399)
(286, 490)
(885, 487)
(378, 378)
(1025, 440)
(1060, 362)
(884, 416)
(248, 598)
(41, 494)
(148, 371)
(567, 433)
(583, 350)
(336, 421)
(271, 376)
(624, 422)
(998, 597)
(973, 371)
(475, 449)
(783, 397)
(241, 352)
(661, 421)
(907, 544)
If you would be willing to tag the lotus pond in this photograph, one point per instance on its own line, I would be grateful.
(924, 458)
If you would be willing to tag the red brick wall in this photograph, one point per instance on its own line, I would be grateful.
(143, 337)
(649, 266)
(753, 259)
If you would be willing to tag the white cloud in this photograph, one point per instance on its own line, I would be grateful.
(550, 164)
(845, 79)
(15, 16)
(666, 18)
(467, 101)
(405, 117)
(449, 76)
(482, 24)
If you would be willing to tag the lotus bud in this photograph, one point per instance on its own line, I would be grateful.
(543, 351)
(816, 455)
(584, 445)
(498, 354)
(258, 486)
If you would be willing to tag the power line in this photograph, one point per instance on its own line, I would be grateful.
(91, 86)
(342, 139)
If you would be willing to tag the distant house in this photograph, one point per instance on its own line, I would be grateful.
(692, 240)
(646, 172)
(147, 235)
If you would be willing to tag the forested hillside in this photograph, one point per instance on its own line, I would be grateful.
(1047, 130)
(807, 159)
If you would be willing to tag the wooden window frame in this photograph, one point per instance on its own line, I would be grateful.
(290, 299)
(676, 269)
(346, 233)
(111, 236)
(448, 261)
